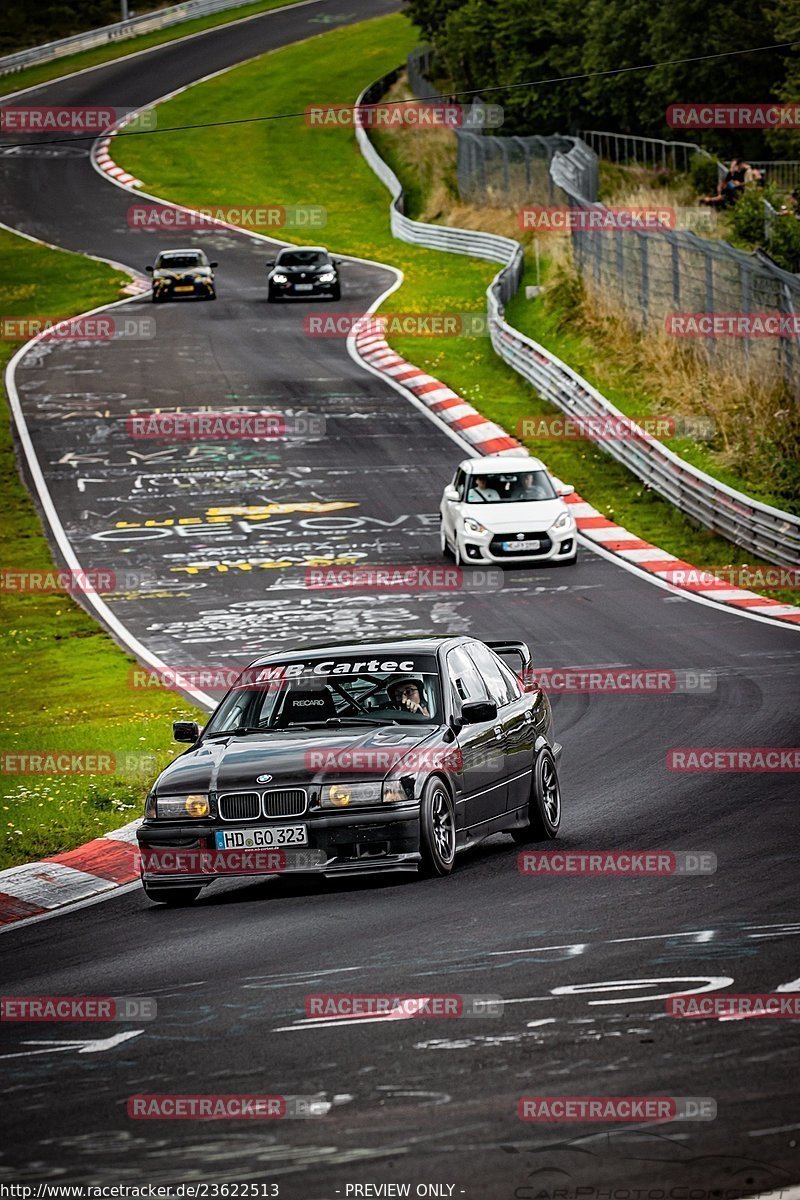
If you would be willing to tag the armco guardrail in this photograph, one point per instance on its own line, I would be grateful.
(763, 530)
(160, 19)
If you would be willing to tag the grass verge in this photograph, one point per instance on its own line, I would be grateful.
(65, 680)
(44, 72)
(242, 164)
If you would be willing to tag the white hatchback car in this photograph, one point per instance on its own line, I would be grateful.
(502, 509)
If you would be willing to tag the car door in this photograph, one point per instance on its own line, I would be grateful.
(482, 746)
(515, 718)
(451, 508)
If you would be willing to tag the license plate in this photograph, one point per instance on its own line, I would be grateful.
(269, 835)
(184, 288)
(529, 545)
(304, 287)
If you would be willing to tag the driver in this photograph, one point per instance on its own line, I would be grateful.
(406, 693)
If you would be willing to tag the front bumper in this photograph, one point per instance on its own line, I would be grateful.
(291, 289)
(179, 289)
(487, 547)
(356, 844)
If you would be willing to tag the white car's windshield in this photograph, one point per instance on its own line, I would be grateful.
(331, 691)
(513, 488)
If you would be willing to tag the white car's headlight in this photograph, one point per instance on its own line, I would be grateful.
(328, 277)
(562, 521)
(473, 526)
(193, 805)
(280, 278)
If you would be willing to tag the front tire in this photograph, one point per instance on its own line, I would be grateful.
(544, 807)
(437, 830)
(336, 294)
(173, 897)
(443, 546)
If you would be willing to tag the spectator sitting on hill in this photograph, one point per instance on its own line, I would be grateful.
(729, 188)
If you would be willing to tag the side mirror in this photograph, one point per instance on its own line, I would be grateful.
(149, 270)
(566, 489)
(450, 493)
(336, 262)
(476, 711)
(185, 731)
(213, 264)
(270, 262)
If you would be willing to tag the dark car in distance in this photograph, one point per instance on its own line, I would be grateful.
(303, 272)
(345, 758)
(182, 274)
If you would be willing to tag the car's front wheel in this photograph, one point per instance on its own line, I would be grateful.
(173, 897)
(336, 293)
(544, 807)
(443, 544)
(437, 829)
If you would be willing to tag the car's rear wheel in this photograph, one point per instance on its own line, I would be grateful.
(437, 829)
(544, 807)
(172, 897)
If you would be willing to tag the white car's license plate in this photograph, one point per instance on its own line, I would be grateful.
(261, 836)
(529, 545)
(304, 287)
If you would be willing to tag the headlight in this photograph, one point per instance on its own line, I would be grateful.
(351, 795)
(194, 805)
(472, 526)
(562, 521)
(328, 277)
(150, 806)
(280, 279)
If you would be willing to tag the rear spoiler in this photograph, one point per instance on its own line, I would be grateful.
(519, 648)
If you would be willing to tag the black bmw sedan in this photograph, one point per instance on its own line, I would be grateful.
(303, 272)
(348, 758)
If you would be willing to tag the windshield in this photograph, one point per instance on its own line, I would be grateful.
(511, 488)
(171, 261)
(380, 691)
(303, 258)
